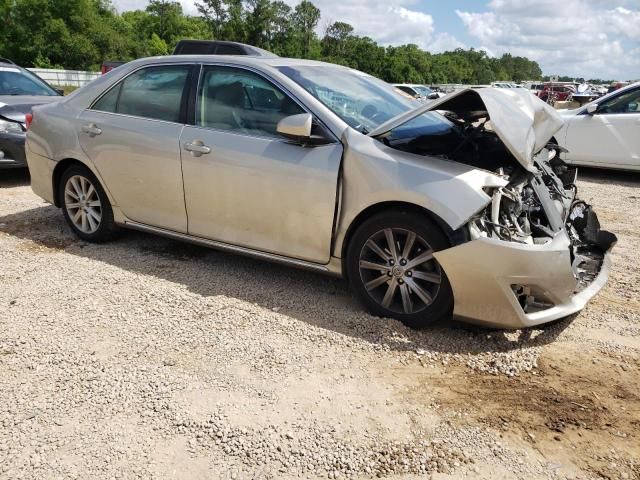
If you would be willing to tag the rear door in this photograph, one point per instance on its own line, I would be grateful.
(611, 136)
(132, 136)
(247, 186)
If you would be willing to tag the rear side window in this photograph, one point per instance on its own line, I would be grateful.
(154, 92)
(109, 101)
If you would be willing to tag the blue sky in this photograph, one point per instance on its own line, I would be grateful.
(590, 38)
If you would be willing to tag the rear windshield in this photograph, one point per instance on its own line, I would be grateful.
(14, 81)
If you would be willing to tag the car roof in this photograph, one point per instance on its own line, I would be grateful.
(272, 61)
(247, 60)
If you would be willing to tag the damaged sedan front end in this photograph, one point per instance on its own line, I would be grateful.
(535, 252)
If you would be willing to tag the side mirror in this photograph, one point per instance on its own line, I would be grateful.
(295, 127)
(433, 96)
(592, 108)
(59, 90)
(298, 128)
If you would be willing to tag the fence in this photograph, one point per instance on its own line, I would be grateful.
(65, 78)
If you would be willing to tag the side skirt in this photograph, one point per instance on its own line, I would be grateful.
(334, 267)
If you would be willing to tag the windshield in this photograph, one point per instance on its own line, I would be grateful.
(425, 91)
(360, 100)
(14, 81)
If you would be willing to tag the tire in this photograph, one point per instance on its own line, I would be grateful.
(408, 275)
(85, 205)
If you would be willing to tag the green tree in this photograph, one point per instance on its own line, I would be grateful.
(166, 19)
(305, 19)
(83, 33)
(335, 40)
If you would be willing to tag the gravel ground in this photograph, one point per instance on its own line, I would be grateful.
(147, 358)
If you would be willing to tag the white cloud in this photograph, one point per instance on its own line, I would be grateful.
(390, 22)
(577, 37)
(443, 42)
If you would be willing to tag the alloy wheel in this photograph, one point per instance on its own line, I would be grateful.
(83, 204)
(399, 271)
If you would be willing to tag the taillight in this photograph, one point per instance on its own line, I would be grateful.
(28, 119)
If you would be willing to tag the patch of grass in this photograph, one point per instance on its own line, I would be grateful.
(68, 89)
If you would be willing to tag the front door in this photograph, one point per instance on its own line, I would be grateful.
(132, 136)
(611, 136)
(247, 186)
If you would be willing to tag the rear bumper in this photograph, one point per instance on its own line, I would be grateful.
(12, 151)
(486, 273)
(41, 173)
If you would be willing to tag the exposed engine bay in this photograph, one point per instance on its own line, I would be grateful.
(535, 205)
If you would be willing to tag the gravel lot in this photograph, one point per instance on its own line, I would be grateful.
(147, 358)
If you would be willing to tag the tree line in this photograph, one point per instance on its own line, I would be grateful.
(81, 34)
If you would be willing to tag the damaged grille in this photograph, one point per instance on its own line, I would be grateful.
(532, 209)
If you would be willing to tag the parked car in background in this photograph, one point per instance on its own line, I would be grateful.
(322, 167)
(503, 85)
(419, 92)
(616, 86)
(556, 92)
(536, 88)
(20, 90)
(605, 132)
(218, 47)
(205, 47)
(106, 67)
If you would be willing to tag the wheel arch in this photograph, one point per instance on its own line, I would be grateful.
(455, 236)
(60, 168)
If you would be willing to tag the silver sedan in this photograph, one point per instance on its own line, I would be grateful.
(457, 207)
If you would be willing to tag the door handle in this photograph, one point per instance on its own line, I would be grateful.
(91, 129)
(197, 148)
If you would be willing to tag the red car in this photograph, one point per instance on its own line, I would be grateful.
(557, 91)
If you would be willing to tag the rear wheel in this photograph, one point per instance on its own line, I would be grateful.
(85, 205)
(392, 269)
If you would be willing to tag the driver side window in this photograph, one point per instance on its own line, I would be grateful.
(628, 102)
(241, 101)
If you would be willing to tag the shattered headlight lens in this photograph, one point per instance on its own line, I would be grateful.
(10, 127)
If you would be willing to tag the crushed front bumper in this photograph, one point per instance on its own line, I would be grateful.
(12, 150)
(486, 274)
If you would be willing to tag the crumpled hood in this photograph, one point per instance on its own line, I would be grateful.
(523, 122)
(15, 107)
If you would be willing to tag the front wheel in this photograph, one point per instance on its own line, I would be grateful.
(85, 205)
(391, 268)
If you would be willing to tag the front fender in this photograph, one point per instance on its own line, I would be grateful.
(373, 173)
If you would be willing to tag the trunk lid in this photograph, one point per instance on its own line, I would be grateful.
(15, 107)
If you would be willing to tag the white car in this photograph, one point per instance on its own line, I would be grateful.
(504, 85)
(420, 92)
(605, 132)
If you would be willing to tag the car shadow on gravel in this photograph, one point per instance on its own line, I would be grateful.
(316, 299)
(18, 177)
(604, 176)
